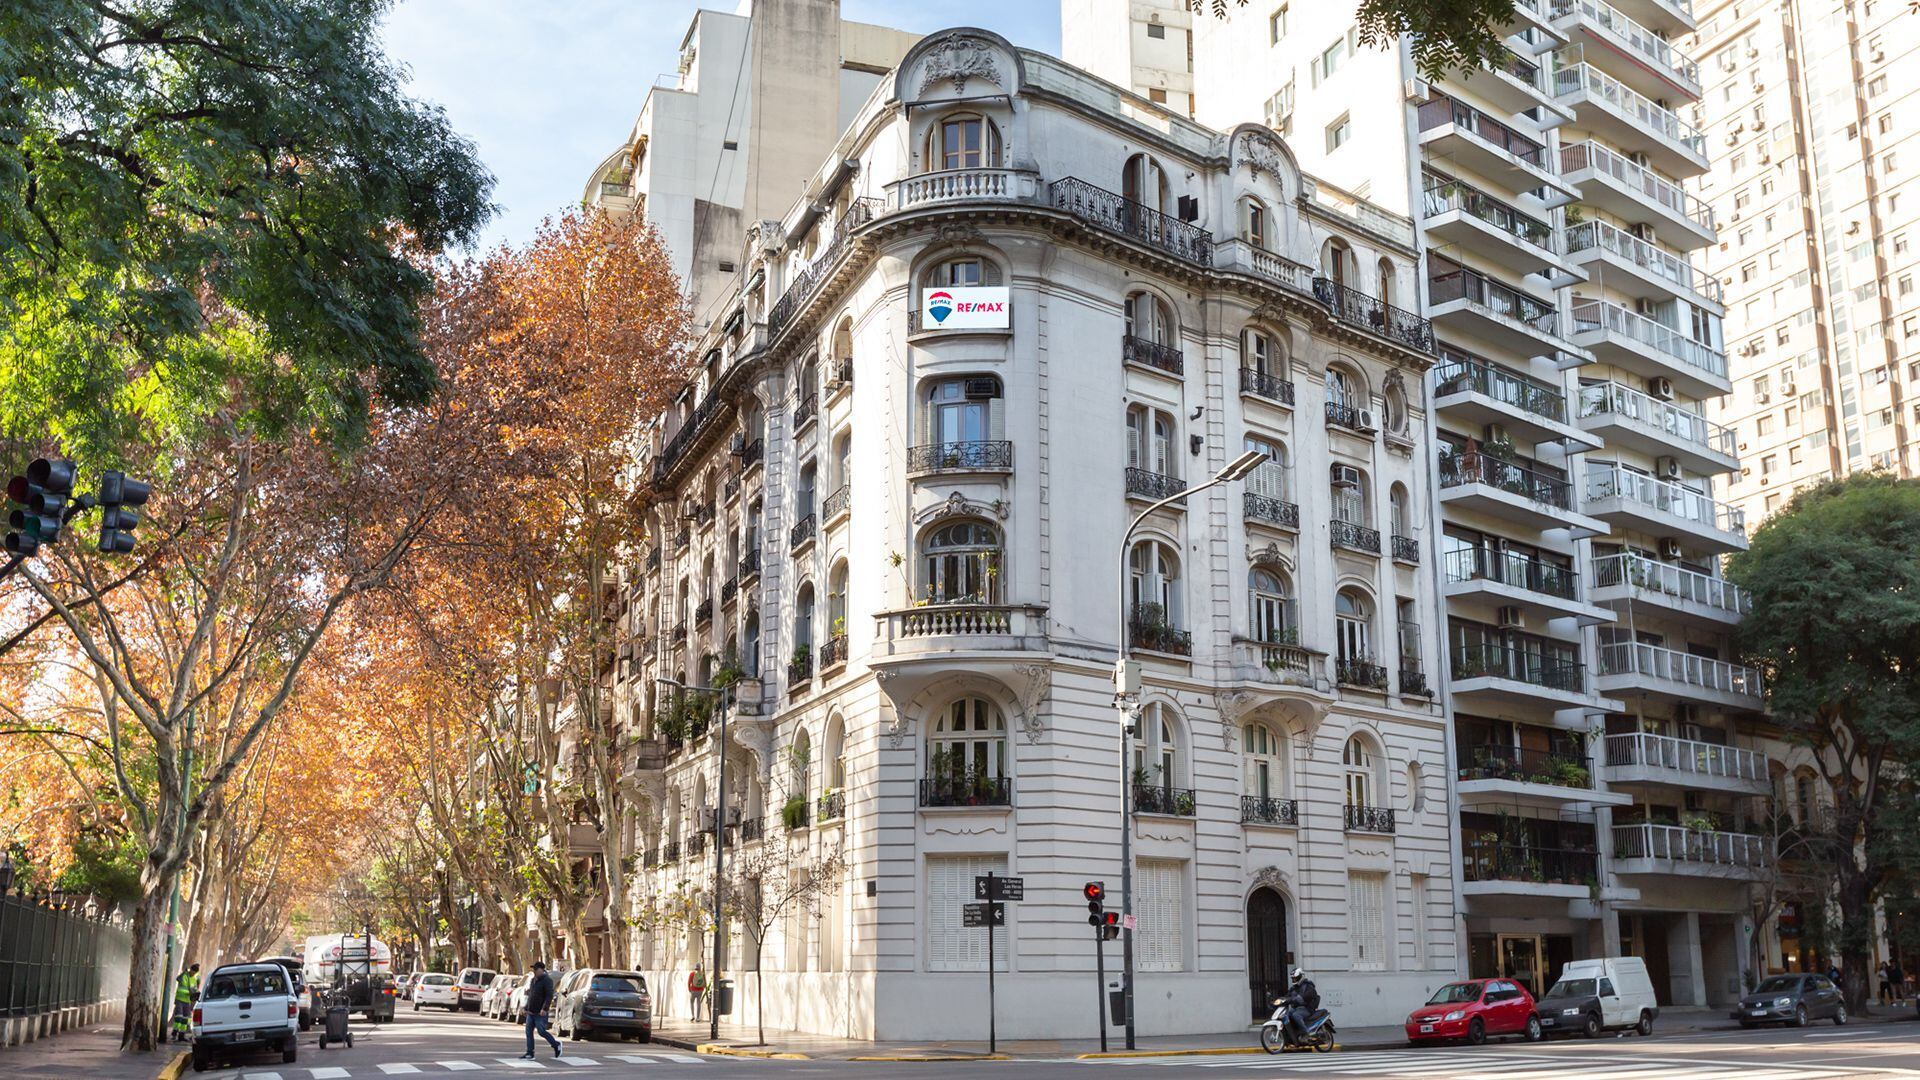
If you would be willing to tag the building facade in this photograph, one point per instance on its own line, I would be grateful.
(1143, 45)
(1610, 782)
(894, 512)
(1807, 109)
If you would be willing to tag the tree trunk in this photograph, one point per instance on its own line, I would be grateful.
(759, 994)
(145, 997)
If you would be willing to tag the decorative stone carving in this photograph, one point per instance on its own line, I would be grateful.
(961, 235)
(1035, 683)
(1271, 877)
(893, 720)
(1272, 555)
(959, 59)
(1232, 704)
(958, 505)
(1262, 153)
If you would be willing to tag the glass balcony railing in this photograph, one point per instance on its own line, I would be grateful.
(1691, 586)
(1642, 43)
(1442, 195)
(1578, 77)
(1612, 399)
(1460, 373)
(1640, 179)
(1589, 315)
(1606, 480)
(1621, 244)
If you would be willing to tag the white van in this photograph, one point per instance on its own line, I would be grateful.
(1595, 995)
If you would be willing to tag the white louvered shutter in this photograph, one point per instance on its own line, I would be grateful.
(1367, 902)
(997, 419)
(1158, 907)
(1134, 437)
(950, 946)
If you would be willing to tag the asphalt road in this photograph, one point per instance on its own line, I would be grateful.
(434, 1044)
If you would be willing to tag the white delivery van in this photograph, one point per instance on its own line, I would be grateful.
(1595, 995)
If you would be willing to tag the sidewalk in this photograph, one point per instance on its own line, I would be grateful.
(740, 1038)
(92, 1051)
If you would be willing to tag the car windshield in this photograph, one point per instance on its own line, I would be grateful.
(1455, 994)
(1778, 984)
(438, 980)
(1566, 988)
(246, 984)
(616, 984)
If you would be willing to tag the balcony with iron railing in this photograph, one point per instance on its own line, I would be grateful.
(1160, 799)
(806, 408)
(1373, 819)
(1511, 577)
(966, 789)
(1413, 681)
(960, 457)
(1618, 494)
(1517, 866)
(1260, 384)
(1646, 347)
(749, 565)
(1360, 672)
(1490, 309)
(1615, 183)
(832, 805)
(1677, 675)
(1646, 758)
(800, 667)
(1268, 510)
(1640, 267)
(1353, 536)
(1524, 672)
(1263, 810)
(1675, 590)
(1459, 213)
(703, 613)
(1510, 83)
(1677, 849)
(1626, 117)
(1510, 487)
(1148, 627)
(1118, 215)
(1482, 392)
(833, 652)
(752, 454)
(802, 533)
(1370, 313)
(1505, 769)
(1478, 140)
(1406, 550)
(837, 505)
(1146, 484)
(807, 282)
(1658, 69)
(729, 591)
(1624, 416)
(1151, 354)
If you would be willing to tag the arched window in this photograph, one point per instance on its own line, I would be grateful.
(806, 381)
(1154, 570)
(1342, 388)
(1272, 607)
(805, 490)
(1396, 408)
(843, 339)
(1272, 479)
(1362, 768)
(1264, 773)
(1260, 353)
(1349, 487)
(1253, 222)
(1336, 262)
(1159, 765)
(963, 141)
(836, 779)
(1384, 271)
(1353, 627)
(803, 621)
(966, 754)
(1416, 787)
(1397, 510)
(960, 564)
(1149, 319)
(800, 765)
(750, 645)
(962, 270)
(1150, 441)
(1143, 182)
(1805, 802)
(837, 602)
(964, 410)
(842, 460)
(706, 578)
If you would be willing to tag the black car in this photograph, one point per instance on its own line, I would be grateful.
(591, 1001)
(1792, 999)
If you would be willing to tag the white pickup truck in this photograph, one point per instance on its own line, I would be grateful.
(245, 1009)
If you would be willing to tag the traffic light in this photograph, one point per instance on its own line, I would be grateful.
(118, 518)
(1096, 894)
(42, 494)
(1110, 925)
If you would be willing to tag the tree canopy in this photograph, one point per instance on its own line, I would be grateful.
(1445, 35)
(199, 197)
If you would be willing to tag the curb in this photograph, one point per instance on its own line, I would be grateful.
(1211, 1051)
(172, 1069)
(723, 1050)
(933, 1057)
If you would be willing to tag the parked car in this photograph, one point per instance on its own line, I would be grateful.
(1792, 999)
(301, 990)
(1475, 1011)
(435, 988)
(517, 1002)
(591, 1001)
(472, 983)
(1596, 995)
(246, 1009)
(407, 982)
(493, 1003)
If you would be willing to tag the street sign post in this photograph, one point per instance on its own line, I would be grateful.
(991, 914)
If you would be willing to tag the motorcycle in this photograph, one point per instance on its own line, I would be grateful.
(1319, 1032)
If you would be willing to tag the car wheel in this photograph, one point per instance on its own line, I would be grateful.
(1590, 1027)
(1799, 1016)
(1476, 1032)
(646, 1034)
(200, 1061)
(1534, 1034)
(290, 1052)
(1840, 1015)
(1645, 1026)
(1747, 1024)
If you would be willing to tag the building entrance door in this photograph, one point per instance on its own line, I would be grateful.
(1520, 956)
(1268, 957)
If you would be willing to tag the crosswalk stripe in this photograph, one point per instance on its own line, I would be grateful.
(520, 1063)
(459, 1066)
(578, 1061)
(262, 1076)
(393, 1067)
(328, 1073)
(682, 1059)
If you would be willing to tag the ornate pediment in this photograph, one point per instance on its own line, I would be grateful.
(964, 63)
(958, 60)
(1264, 154)
(958, 505)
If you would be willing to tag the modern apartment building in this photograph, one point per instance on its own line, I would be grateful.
(1143, 45)
(757, 90)
(1607, 780)
(1810, 111)
(1012, 307)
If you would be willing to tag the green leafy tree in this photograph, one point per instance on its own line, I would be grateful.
(204, 199)
(1835, 626)
(1445, 35)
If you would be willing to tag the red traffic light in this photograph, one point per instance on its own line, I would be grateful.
(1095, 892)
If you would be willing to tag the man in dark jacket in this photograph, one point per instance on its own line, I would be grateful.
(539, 1004)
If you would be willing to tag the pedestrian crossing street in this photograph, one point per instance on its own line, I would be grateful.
(450, 1066)
(1467, 1064)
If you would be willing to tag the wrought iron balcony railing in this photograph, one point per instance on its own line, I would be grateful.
(1148, 629)
(1272, 511)
(1501, 761)
(805, 408)
(838, 503)
(832, 805)
(1461, 372)
(991, 456)
(802, 531)
(966, 789)
(1153, 485)
(1513, 860)
(1156, 799)
(1353, 537)
(1375, 819)
(1356, 308)
(1459, 283)
(703, 613)
(1121, 216)
(1477, 468)
(1513, 568)
(1441, 110)
(1360, 672)
(1260, 384)
(1530, 666)
(1406, 549)
(800, 668)
(1267, 811)
(1139, 350)
(833, 652)
(750, 565)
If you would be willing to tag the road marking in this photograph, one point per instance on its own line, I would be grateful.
(329, 1073)
(578, 1061)
(520, 1063)
(399, 1067)
(459, 1066)
(655, 1059)
(262, 1076)
(1838, 1034)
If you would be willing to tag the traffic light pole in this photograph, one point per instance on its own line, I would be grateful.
(1100, 972)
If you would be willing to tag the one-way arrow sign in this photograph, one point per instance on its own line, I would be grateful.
(984, 915)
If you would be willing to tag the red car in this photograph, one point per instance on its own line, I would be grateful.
(1475, 1011)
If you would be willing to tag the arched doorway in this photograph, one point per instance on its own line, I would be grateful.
(1268, 953)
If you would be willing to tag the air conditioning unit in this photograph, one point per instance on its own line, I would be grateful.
(738, 446)
(1732, 138)
(1512, 618)
(1667, 468)
(1643, 231)
(1419, 91)
(1736, 215)
(1346, 476)
(1879, 56)
(1762, 398)
(983, 389)
(1660, 387)
(1669, 548)
(1786, 388)
(1365, 420)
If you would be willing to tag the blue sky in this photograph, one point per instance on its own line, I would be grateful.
(547, 88)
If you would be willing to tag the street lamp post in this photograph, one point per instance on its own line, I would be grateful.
(719, 845)
(1126, 698)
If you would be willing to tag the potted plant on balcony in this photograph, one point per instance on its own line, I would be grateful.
(673, 722)
(1183, 803)
(1700, 823)
(1568, 773)
(793, 814)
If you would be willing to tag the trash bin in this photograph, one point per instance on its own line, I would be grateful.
(723, 997)
(1117, 1004)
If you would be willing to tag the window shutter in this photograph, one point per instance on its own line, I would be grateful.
(997, 419)
(1134, 419)
(1367, 901)
(1158, 941)
(951, 947)
(989, 272)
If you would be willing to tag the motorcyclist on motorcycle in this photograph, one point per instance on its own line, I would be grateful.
(1302, 999)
